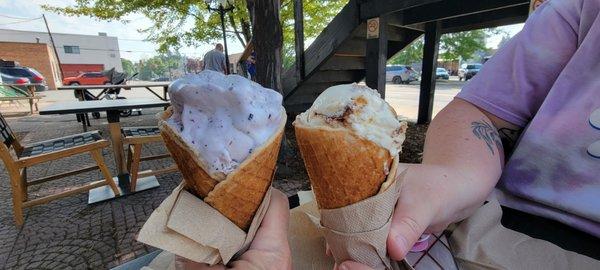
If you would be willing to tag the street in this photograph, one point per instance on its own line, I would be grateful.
(405, 98)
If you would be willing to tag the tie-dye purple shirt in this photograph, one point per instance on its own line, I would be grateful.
(547, 80)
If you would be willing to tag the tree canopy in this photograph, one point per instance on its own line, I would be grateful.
(162, 65)
(128, 66)
(453, 46)
(411, 54)
(462, 45)
(174, 23)
(189, 22)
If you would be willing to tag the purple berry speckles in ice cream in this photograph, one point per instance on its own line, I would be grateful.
(223, 118)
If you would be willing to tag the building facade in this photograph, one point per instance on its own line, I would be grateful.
(76, 53)
(39, 56)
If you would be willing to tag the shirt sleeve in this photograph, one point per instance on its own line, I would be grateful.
(513, 84)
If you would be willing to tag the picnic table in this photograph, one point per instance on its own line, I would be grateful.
(16, 92)
(112, 109)
(78, 90)
(80, 93)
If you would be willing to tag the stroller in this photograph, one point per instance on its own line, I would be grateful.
(115, 78)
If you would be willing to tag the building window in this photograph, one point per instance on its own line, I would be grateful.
(72, 49)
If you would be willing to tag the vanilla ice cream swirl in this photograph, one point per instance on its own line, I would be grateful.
(360, 109)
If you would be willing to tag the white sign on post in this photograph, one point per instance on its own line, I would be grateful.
(373, 28)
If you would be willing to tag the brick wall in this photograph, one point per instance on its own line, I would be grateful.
(35, 55)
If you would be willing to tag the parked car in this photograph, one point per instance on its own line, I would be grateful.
(442, 73)
(13, 69)
(161, 79)
(87, 78)
(7, 79)
(468, 71)
(400, 74)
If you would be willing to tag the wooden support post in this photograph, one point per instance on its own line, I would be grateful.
(299, 38)
(376, 55)
(430, 55)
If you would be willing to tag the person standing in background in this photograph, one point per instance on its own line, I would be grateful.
(251, 63)
(215, 59)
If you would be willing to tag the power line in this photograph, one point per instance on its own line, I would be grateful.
(13, 17)
(21, 21)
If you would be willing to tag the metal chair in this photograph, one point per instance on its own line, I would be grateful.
(136, 137)
(28, 155)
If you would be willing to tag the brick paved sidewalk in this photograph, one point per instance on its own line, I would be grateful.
(68, 233)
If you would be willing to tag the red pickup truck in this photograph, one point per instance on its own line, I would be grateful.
(88, 78)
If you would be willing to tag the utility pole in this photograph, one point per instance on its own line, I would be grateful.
(54, 47)
(299, 38)
(222, 12)
(224, 7)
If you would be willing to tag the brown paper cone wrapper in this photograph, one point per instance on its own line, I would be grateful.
(354, 184)
(240, 194)
(343, 168)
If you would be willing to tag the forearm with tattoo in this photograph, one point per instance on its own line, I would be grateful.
(487, 132)
(504, 138)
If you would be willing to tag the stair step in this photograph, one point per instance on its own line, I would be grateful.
(340, 62)
(353, 47)
(297, 108)
(309, 92)
(328, 76)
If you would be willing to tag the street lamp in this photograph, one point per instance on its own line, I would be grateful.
(224, 7)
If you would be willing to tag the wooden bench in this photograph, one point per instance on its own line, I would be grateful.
(135, 137)
(18, 157)
(33, 101)
(20, 94)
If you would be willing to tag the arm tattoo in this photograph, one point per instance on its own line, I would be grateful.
(486, 132)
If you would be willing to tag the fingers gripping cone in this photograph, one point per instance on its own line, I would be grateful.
(343, 168)
(349, 140)
(240, 194)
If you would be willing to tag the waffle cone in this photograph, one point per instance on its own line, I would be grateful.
(241, 192)
(343, 168)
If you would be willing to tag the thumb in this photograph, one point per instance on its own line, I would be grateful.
(408, 223)
(272, 234)
(350, 265)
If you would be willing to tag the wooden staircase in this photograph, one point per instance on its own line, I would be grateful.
(337, 56)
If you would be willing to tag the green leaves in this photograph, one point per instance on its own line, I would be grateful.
(411, 54)
(462, 45)
(128, 66)
(157, 66)
(453, 46)
(317, 15)
(176, 23)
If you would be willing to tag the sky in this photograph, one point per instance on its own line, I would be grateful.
(14, 14)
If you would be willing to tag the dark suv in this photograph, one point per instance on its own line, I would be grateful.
(13, 69)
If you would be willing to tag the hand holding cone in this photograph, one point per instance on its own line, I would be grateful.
(241, 193)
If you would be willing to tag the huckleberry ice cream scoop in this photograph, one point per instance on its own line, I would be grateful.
(224, 132)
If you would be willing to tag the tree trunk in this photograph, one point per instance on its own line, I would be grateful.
(268, 43)
(250, 6)
(246, 30)
(267, 39)
(236, 31)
